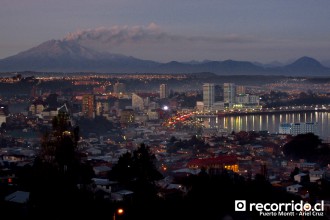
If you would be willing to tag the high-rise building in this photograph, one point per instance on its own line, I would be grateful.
(240, 89)
(3, 113)
(102, 107)
(98, 109)
(208, 95)
(3, 119)
(163, 91)
(37, 106)
(218, 93)
(119, 88)
(229, 92)
(4, 109)
(137, 102)
(299, 128)
(247, 99)
(88, 108)
(254, 99)
(127, 116)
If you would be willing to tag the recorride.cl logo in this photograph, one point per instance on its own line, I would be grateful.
(282, 209)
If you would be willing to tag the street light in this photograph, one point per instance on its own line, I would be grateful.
(118, 212)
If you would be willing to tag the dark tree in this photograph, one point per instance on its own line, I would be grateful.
(123, 170)
(51, 100)
(57, 171)
(294, 172)
(144, 164)
(138, 172)
(303, 146)
(172, 139)
(3, 126)
(138, 165)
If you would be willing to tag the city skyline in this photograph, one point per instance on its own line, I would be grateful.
(164, 109)
(164, 31)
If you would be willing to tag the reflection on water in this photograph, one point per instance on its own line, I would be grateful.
(271, 122)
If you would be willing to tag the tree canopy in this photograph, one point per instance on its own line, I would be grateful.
(57, 170)
(138, 172)
(138, 165)
(305, 146)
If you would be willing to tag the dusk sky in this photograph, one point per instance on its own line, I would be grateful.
(165, 30)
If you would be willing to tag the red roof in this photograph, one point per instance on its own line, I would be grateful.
(224, 159)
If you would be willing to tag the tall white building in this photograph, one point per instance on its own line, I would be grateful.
(299, 128)
(3, 118)
(208, 95)
(140, 101)
(137, 102)
(163, 91)
(254, 99)
(285, 128)
(229, 92)
(247, 99)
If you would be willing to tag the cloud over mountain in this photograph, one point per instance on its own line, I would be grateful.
(152, 32)
(150, 37)
(117, 35)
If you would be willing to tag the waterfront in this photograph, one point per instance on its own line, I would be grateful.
(272, 121)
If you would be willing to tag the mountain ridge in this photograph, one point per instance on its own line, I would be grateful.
(69, 56)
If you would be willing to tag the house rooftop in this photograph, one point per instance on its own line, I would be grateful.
(223, 159)
(103, 182)
(18, 197)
